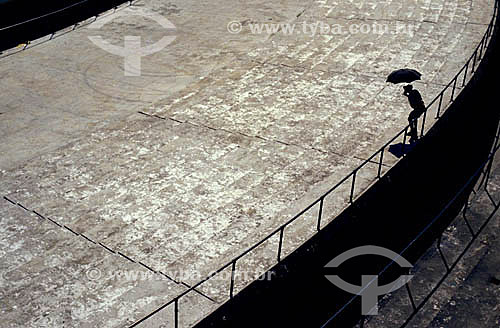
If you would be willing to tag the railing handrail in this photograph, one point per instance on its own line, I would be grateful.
(467, 184)
(478, 50)
(52, 34)
(473, 58)
(477, 173)
(42, 16)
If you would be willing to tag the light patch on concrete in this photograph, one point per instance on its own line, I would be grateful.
(249, 129)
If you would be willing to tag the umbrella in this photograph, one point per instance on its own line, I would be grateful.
(405, 75)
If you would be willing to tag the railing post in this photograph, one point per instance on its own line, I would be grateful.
(176, 313)
(423, 124)
(465, 73)
(320, 212)
(351, 198)
(453, 90)
(488, 32)
(486, 178)
(474, 62)
(464, 212)
(380, 162)
(280, 246)
(404, 140)
(438, 244)
(410, 296)
(231, 288)
(482, 46)
(488, 171)
(440, 104)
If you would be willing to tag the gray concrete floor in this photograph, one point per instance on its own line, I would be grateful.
(254, 127)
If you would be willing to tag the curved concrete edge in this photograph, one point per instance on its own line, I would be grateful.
(77, 210)
(261, 302)
(25, 42)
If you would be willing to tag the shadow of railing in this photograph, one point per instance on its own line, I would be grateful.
(480, 178)
(37, 30)
(348, 189)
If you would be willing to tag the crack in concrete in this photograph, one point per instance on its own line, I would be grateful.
(68, 229)
(262, 138)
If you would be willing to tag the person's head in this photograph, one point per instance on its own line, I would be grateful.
(408, 88)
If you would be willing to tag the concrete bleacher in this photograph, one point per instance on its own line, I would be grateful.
(236, 134)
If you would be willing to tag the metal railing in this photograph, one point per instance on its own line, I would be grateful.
(374, 163)
(484, 170)
(25, 44)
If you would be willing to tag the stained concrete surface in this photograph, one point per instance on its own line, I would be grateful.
(247, 130)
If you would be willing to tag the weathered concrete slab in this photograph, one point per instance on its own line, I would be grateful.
(52, 278)
(248, 130)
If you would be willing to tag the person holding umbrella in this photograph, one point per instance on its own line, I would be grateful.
(416, 102)
(407, 75)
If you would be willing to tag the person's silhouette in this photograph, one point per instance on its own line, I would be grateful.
(416, 102)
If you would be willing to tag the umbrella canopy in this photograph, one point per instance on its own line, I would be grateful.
(404, 75)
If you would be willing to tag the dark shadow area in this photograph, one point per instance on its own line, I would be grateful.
(390, 214)
(13, 12)
(400, 149)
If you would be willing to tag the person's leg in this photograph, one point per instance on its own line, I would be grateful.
(414, 130)
(412, 119)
